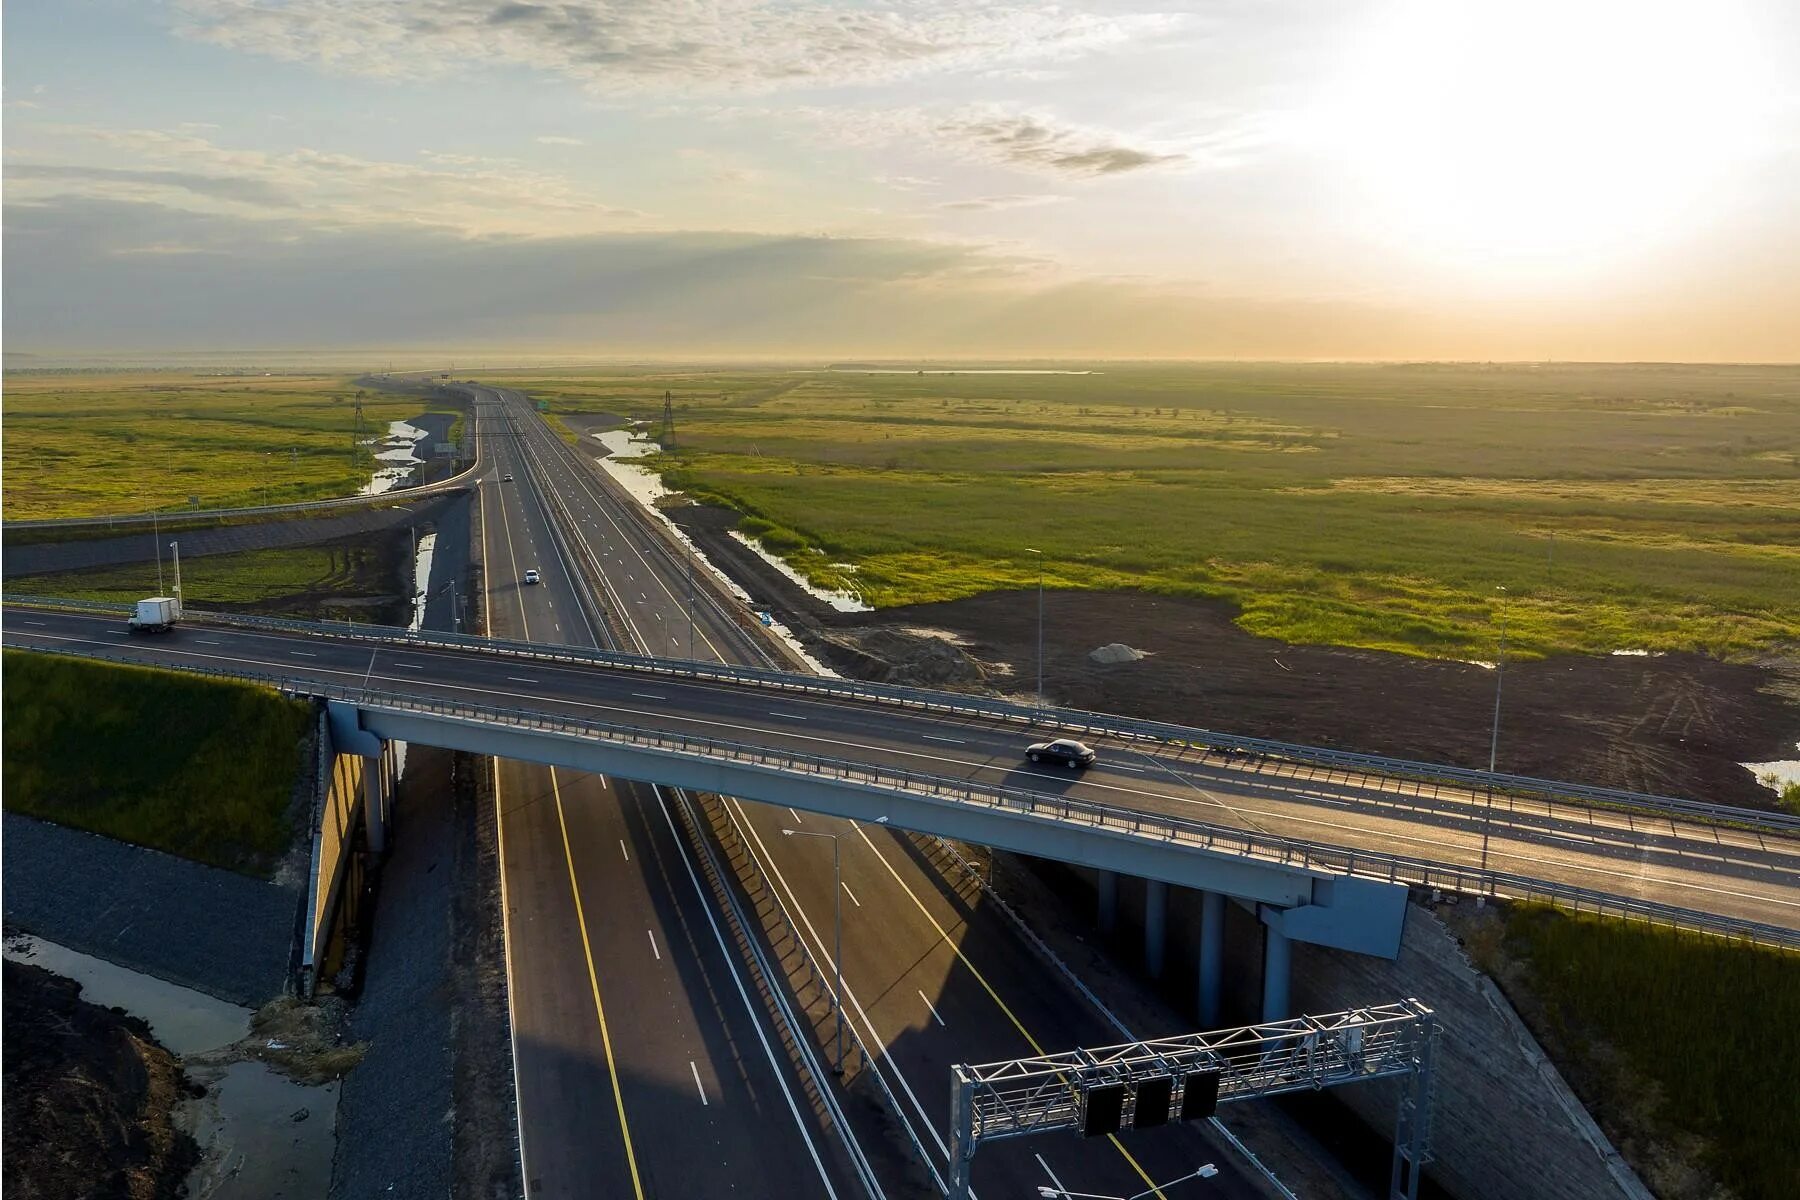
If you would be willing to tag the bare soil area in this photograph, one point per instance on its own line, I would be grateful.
(90, 1098)
(1677, 724)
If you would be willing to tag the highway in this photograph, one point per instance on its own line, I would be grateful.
(630, 1016)
(929, 978)
(1743, 874)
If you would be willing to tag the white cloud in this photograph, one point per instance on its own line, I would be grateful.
(996, 203)
(557, 139)
(618, 46)
(456, 192)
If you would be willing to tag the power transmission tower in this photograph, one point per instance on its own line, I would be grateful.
(356, 434)
(668, 425)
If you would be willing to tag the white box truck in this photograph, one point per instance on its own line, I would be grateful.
(157, 614)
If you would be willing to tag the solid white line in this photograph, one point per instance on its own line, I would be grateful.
(850, 894)
(623, 850)
(796, 817)
(934, 1015)
(1052, 1174)
(653, 948)
(696, 1071)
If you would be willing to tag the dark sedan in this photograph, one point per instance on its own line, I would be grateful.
(1067, 751)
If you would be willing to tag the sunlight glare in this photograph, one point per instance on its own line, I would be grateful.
(1533, 136)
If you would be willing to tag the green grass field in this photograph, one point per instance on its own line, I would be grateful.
(198, 767)
(86, 445)
(1688, 1035)
(328, 580)
(1621, 507)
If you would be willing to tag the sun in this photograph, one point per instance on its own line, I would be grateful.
(1526, 135)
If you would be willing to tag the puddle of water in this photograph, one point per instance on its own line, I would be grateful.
(400, 457)
(1783, 771)
(422, 579)
(842, 601)
(251, 1145)
(182, 1019)
(646, 487)
(261, 1136)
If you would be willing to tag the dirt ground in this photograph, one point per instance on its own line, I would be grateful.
(89, 1098)
(1676, 724)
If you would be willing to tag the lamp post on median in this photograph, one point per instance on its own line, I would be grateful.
(837, 918)
(1494, 737)
(1206, 1171)
(1040, 635)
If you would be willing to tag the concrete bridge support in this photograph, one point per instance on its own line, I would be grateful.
(1212, 957)
(1156, 921)
(378, 796)
(1278, 951)
(1109, 901)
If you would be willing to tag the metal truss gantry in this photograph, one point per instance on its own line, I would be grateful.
(1139, 1085)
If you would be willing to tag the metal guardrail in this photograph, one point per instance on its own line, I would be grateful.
(1311, 857)
(1072, 720)
(182, 515)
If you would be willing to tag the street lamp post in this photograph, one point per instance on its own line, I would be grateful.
(837, 918)
(1494, 736)
(1040, 635)
(1206, 1171)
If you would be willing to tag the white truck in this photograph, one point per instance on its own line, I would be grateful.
(157, 614)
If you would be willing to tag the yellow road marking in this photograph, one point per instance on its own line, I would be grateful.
(989, 988)
(587, 948)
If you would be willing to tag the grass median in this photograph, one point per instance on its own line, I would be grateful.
(201, 768)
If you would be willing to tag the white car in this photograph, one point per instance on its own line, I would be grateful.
(506, 478)
(531, 576)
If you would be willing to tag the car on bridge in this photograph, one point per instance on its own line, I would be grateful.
(1067, 751)
(532, 576)
(506, 478)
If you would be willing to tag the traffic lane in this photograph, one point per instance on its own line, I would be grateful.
(1647, 878)
(573, 1139)
(943, 982)
(691, 1061)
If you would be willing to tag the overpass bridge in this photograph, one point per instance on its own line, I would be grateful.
(1322, 846)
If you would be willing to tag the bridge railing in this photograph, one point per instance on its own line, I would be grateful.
(1370, 768)
(1311, 857)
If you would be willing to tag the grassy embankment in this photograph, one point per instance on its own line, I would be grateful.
(1682, 1045)
(202, 768)
(353, 581)
(1641, 507)
(119, 442)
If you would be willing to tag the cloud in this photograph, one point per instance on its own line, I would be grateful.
(1029, 141)
(557, 139)
(1041, 144)
(995, 203)
(619, 46)
(458, 192)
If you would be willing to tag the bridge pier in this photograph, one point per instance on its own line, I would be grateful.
(1109, 900)
(1278, 951)
(375, 799)
(1212, 957)
(1156, 920)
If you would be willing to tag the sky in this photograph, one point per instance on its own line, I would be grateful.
(1309, 179)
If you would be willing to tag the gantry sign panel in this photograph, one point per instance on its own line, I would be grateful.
(1140, 1085)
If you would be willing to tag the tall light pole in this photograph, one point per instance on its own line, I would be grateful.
(1494, 738)
(837, 911)
(1040, 637)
